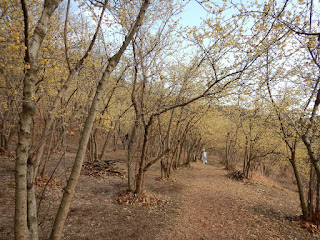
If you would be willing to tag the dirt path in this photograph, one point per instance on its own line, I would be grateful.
(215, 207)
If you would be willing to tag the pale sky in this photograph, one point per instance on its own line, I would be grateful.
(192, 14)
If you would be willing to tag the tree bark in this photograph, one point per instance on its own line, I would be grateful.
(138, 116)
(49, 150)
(300, 186)
(132, 139)
(105, 145)
(310, 193)
(139, 179)
(32, 203)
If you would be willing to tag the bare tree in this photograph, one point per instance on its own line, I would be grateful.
(74, 176)
(26, 225)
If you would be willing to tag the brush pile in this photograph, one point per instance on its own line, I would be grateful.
(236, 175)
(101, 169)
(146, 200)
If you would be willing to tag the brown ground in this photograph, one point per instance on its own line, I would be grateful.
(203, 204)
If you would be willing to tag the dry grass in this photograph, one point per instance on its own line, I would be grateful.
(261, 179)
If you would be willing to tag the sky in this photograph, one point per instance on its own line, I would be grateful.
(192, 14)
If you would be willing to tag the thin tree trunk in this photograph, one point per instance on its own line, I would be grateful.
(139, 179)
(44, 169)
(313, 156)
(9, 139)
(89, 150)
(179, 155)
(32, 204)
(55, 148)
(105, 145)
(306, 137)
(95, 145)
(310, 194)
(300, 186)
(132, 139)
(138, 116)
(317, 215)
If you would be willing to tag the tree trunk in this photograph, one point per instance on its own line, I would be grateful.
(89, 147)
(300, 186)
(317, 213)
(139, 178)
(310, 194)
(32, 204)
(9, 139)
(313, 156)
(105, 145)
(95, 145)
(51, 152)
(132, 139)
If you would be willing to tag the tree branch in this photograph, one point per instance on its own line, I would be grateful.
(26, 30)
(65, 37)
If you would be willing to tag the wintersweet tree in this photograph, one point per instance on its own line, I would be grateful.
(26, 225)
(74, 176)
(300, 67)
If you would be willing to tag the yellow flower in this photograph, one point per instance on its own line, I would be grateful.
(16, 36)
(27, 66)
(14, 47)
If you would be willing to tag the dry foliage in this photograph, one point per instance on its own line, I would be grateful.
(46, 181)
(129, 198)
(100, 169)
(236, 175)
(313, 228)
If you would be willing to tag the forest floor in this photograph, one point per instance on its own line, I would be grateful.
(199, 202)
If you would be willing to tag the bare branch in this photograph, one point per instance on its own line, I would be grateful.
(65, 37)
(26, 30)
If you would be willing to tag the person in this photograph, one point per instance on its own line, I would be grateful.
(204, 156)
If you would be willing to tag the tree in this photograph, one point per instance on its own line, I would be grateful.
(25, 206)
(297, 19)
(65, 86)
(74, 176)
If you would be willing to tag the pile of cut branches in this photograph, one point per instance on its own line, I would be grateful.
(129, 198)
(236, 175)
(101, 169)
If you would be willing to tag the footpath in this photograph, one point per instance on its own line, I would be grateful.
(216, 207)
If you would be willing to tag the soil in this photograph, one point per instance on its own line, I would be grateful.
(198, 202)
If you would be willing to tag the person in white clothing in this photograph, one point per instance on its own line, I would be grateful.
(204, 157)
